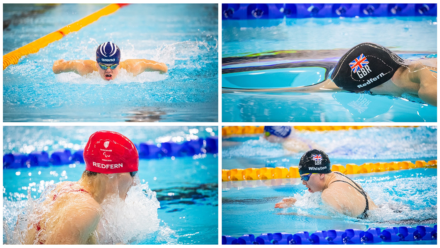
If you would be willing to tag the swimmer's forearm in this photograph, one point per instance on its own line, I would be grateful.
(81, 67)
(150, 65)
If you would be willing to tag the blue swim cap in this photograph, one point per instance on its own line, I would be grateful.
(108, 53)
(279, 131)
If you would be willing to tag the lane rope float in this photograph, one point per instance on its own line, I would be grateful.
(14, 57)
(329, 237)
(267, 173)
(146, 150)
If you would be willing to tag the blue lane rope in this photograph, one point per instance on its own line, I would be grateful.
(146, 151)
(279, 11)
(349, 236)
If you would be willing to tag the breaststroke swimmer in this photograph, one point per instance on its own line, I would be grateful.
(108, 64)
(373, 69)
(285, 135)
(338, 191)
(71, 213)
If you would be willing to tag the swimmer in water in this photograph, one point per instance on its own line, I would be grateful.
(71, 213)
(373, 69)
(108, 64)
(338, 191)
(286, 136)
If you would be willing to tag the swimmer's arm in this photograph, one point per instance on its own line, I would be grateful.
(428, 85)
(81, 221)
(325, 86)
(137, 66)
(81, 67)
(286, 203)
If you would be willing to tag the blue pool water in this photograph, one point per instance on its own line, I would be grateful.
(248, 206)
(279, 53)
(185, 188)
(375, 144)
(184, 37)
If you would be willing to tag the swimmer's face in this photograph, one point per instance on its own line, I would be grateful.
(315, 183)
(125, 182)
(108, 74)
(119, 184)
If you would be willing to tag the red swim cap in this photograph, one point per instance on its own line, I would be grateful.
(110, 152)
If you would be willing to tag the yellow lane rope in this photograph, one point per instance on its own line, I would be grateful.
(282, 172)
(247, 130)
(13, 57)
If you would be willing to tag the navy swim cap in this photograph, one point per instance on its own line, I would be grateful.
(314, 161)
(279, 131)
(108, 53)
(365, 66)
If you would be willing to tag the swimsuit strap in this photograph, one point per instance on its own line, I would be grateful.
(359, 189)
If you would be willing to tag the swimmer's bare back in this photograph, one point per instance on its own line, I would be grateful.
(84, 67)
(324, 86)
(65, 217)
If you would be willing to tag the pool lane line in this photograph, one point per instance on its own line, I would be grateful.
(13, 57)
(245, 130)
(267, 173)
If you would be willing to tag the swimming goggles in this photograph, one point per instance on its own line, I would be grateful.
(133, 173)
(306, 176)
(267, 134)
(105, 67)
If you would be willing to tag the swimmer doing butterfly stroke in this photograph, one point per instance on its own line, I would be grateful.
(108, 64)
(71, 213)
(338, 191)
(373, 69)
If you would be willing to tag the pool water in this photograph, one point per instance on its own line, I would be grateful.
(300, 52)
(175, 200)
(184, 37)
(248, 206)
(250, 209)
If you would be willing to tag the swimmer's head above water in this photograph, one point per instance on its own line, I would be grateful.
(108, 56)
(313, 166)
(112, 161)
(277, 134)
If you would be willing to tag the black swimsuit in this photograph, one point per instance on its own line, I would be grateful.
(364, 214)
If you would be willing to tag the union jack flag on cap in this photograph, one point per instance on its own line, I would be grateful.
(358, 63)
(317, 158)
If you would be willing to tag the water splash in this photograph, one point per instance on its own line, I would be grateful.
(132, 221)
(400, 200)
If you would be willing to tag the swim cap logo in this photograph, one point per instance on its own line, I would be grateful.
(106, 144)
(317, 158)
(371, 80)
(358, 63)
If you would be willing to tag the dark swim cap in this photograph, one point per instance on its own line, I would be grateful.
(108, 53)
(365, 66)
(279, 131)
(314, 161)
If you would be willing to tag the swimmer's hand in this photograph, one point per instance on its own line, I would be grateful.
(286, 203)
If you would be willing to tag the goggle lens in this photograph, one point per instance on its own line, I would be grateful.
(306, 177)
(104, 67)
